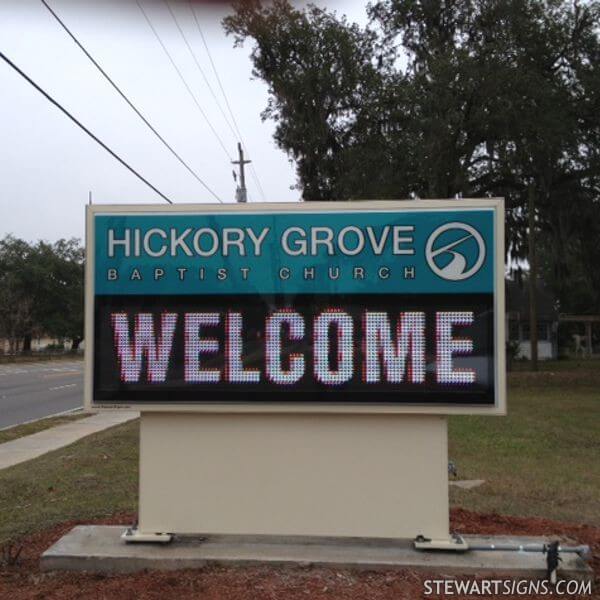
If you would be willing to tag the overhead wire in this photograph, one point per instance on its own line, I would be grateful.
(198, 66)
(222, 88)
(183, 80)
(128, 101)
(48, 97)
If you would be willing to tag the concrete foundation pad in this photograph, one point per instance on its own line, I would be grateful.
(99, 549)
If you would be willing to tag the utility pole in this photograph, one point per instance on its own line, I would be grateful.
(241, 194)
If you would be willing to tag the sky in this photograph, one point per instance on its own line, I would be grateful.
(48, 166)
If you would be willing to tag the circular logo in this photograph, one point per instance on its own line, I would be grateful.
(455, 251)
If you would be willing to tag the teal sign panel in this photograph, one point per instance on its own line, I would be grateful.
(375, 252)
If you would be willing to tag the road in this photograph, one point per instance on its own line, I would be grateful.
(30, 391)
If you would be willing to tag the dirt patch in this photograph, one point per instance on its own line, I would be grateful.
(464, 521)
(25, 581)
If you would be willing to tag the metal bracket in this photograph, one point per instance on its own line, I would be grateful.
(552, 552)
(132, 535)
(455, 543)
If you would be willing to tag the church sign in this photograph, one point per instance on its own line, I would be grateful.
(344, 304)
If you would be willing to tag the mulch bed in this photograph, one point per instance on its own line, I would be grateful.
(26, 581)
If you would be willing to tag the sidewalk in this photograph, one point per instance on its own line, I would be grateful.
(32, 446)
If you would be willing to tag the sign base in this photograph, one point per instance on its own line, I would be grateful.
(134, 536)
(455, 543)
(286, 474)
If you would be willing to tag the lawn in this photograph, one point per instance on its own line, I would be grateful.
(542, 459)
(94, 477)
(12, 433)
(557, 366)
(39, 357)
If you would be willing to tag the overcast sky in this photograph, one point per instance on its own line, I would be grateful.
(48, 165)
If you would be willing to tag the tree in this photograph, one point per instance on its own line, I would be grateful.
(41, 291)
(16, 298)
(438, 98)
(326, 97)
(491, 97)
(61, 313)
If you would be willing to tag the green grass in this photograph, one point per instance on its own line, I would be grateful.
(543, 459)
(571, 364)
(7, 435)
(39, 357)
(94, 477)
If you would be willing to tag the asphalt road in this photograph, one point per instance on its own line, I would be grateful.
(30, 391)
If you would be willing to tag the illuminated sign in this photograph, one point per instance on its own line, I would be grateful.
(341, 304)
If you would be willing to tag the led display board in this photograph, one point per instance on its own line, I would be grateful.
(348, 304)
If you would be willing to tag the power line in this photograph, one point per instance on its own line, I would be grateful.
(256, 179)
(131, 105)
(236, 132)
(185, 83)
(222, 88)
(199, 67)
(81, 125)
